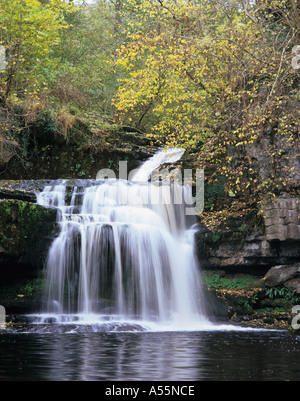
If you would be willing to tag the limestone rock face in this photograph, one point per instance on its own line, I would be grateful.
(282, 220)
(276, 242)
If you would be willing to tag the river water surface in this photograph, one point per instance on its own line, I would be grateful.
(182, 356)
(126, 252)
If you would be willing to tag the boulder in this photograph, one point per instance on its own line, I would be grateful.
(281, 274)
(293, 285)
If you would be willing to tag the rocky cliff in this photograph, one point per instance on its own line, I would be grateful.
(275, 242)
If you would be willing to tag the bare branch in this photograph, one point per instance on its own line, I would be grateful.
(167, 8)
(247, 8)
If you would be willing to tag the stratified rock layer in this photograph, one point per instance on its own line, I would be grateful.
(276, 242)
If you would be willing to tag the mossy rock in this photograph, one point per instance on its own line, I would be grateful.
(22, 295)
(26, 231)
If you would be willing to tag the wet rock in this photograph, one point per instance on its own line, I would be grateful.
(52, 327)
(6, 193)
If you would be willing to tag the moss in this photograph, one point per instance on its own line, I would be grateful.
(245, 281)
(250, 303)
(23, 295)
(5, 210)
(26, 229)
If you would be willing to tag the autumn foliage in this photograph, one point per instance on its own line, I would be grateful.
(219, 78)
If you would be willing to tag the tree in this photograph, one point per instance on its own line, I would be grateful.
(28, 31)
(216, 77)
(183, 59)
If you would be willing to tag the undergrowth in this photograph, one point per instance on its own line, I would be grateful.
(217, 281)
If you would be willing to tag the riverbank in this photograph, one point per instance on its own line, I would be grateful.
(249, 302)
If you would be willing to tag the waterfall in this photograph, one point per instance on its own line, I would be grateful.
(170, 155)
(125, 250)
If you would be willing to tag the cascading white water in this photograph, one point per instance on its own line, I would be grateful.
(124, 250)
(170, 155)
